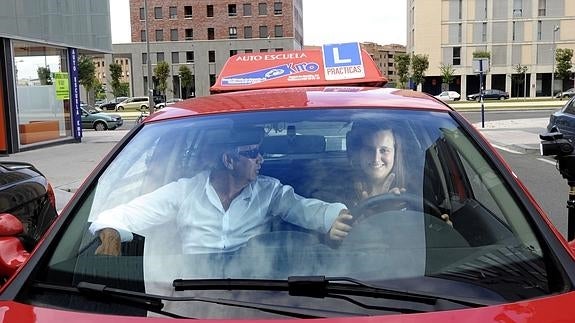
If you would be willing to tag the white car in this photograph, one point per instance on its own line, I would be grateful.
(448, 96)
(168, 102)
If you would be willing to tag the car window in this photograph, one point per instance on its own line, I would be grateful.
(324, 155)
(569, 107)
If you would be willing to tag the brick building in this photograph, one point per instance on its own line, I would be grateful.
(384, 58)
(202, 35)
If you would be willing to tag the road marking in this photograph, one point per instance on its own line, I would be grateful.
(508, 150)
(552, 162)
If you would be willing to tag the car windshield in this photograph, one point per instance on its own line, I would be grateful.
(444, 222)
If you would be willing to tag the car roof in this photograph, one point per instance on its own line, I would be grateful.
(301, 98)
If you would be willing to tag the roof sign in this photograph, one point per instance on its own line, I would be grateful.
(343, 61)
(340, 64)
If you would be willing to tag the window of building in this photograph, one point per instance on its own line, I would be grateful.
(277, 8)
(142, 14)
(173, 12)
(189, 57)
(160, 57)
(262, 9)
(212, 56)
(484, 32)
(233, 52)
(456, 55)
(248, 32)
(514, 36)
(187, 11)
(189, 34)
(517, 8)
(159, 35)
(459, 32)
(279, 30)
(211, 34)
(263, 50)
(233, 32)
(142, 35)
(539, 26)
(264, 32)
(175, 57)
(247, 9)
(279, 49)
(173, 34)
(144, 58)
(248, 51)
(158, 13)
(232, 10)
(212, 79)
(210, 10)
(542, 8)
(459, 9)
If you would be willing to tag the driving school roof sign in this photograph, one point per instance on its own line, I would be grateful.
(339, 64)
(343, 61)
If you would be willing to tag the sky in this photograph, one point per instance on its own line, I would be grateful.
(324, 21)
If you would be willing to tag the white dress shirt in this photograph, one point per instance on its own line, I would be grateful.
(204, 225)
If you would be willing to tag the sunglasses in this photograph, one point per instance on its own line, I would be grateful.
(251, 154)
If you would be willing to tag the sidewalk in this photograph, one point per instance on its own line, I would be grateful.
(68, 165)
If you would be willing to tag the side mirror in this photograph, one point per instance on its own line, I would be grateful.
(12, 251)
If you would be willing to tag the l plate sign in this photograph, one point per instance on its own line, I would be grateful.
(343, 61)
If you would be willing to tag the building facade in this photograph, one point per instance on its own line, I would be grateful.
(384, 58)
(521, 37)
(202, 35)
(40, 42)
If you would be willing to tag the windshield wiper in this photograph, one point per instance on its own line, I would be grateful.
(153, 303)
(321, 286)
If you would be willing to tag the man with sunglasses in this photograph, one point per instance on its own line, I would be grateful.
(222, 208)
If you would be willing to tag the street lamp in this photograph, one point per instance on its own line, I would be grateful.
(148, 60)
(555, 30)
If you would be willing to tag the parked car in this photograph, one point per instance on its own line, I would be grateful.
(137, 103)
(111, 105)
(465, 241)
(168, 102)
(25, 194)
(563, 119)
(94, 118)
(493, 94)
(448, 96)
(566, 94)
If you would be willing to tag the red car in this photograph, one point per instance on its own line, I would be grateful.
(300, 189)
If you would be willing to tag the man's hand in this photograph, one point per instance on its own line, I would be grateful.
(340, 227)
(111, 242)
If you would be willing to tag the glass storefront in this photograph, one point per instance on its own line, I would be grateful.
(42, 92)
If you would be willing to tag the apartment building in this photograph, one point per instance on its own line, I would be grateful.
(384, 58)
(202, 35)
(102, 70)
(516, 33)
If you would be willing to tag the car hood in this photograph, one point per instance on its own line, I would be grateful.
(539, 310)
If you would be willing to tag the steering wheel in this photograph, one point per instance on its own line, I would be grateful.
(391, 201)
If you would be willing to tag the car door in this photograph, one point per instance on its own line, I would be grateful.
(86, 119)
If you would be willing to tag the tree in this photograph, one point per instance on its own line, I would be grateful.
(186, 78)
(162, 72)
(123, 89)
(44, 75)
(115, 75)
(99, 90)
(402, 62)
(563, 58)
(447, 75)
(419, 64)
(87, 75)
(519, 77)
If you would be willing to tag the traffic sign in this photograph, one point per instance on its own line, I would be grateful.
(343, 61)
